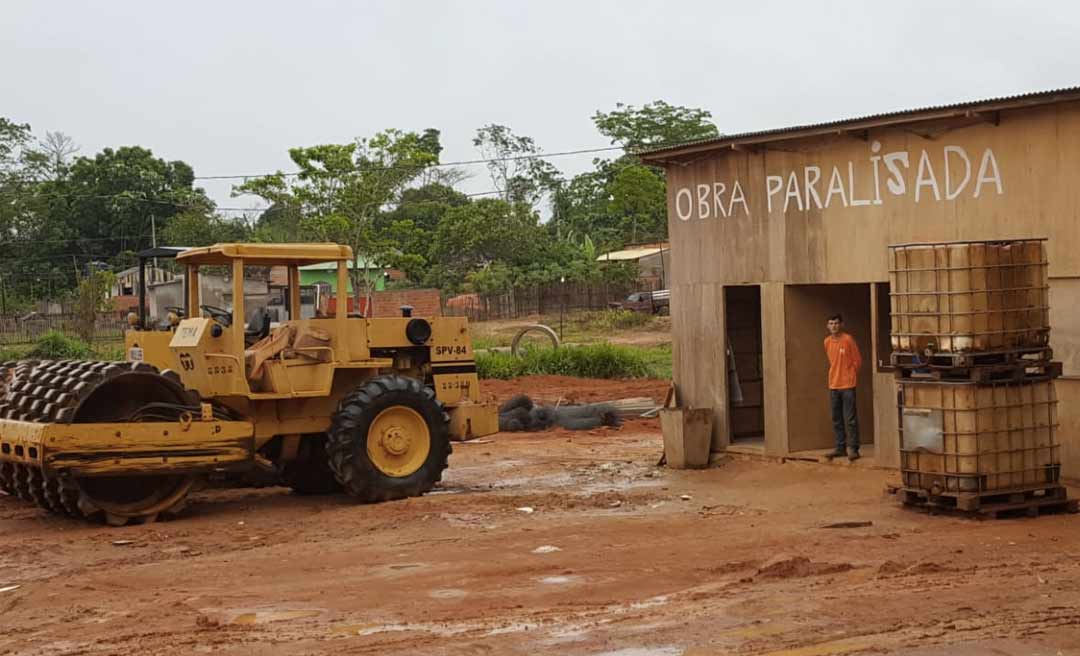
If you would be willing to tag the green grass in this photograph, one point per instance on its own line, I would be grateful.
(489, 341)
(578, 327)
(607, 320)
(588, 361)
(659, 358)
(55, 345)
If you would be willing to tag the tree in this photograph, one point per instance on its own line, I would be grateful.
(16, 178)
(14, 139)
(623, 201)
(58, 213)
(638, 200)
(518, 175)
(654, 124)
(120, 198)
(56, 151)
(341, 190)
(412, 224)
(195, 228)
(91, 297)
(476, 235)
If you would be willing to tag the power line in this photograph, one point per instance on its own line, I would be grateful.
(71, 240)
(196, 204)
(464, 162)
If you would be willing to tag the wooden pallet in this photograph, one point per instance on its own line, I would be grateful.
(983, 373)
(994, 504)
(1008, 357)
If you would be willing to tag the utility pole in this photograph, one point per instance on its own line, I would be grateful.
(153, 235)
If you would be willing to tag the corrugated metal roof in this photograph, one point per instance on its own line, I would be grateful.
(1045, 97)
(630, 254)
(361, 263)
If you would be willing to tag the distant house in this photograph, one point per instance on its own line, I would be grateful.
(127, 281)
(325, 273)
(125, 291)
(653, 261)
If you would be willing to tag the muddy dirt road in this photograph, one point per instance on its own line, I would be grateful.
(550, 543)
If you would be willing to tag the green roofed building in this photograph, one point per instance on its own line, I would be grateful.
(326, 273)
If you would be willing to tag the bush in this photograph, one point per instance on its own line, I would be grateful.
(591, 361)
(110, 351)
(617, 319)
(55, 345)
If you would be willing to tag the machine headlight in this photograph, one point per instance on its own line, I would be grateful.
(418, 331)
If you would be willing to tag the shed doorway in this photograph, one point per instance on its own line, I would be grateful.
(746, 406)
(806, 311)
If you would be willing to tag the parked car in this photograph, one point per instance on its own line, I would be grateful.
(658, 302)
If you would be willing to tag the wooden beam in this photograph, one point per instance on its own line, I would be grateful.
(294, 292)
(991, 117)
(341, 321)
(746, 148)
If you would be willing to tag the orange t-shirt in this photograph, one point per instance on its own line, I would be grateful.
(844, 361)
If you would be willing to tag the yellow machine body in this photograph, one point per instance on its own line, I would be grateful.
(149, 346)
(268, 399)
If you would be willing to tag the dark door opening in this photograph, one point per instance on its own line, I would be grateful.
(746, 404)
(806, 309)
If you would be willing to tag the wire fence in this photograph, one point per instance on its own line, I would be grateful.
(27, 329)
(544, 299)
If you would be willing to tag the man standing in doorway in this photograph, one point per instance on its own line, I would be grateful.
(844, 363)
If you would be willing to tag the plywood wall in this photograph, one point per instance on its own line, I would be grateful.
(699, 353)
(774, 360)
(1065, 323)
(1068, 393)
(1035, 154)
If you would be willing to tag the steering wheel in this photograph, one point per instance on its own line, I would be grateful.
(222, 316)
(175, 309)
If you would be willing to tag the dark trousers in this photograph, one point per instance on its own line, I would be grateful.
(844, 416)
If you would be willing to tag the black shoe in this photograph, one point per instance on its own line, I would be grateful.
(835, 454)
(854, 456)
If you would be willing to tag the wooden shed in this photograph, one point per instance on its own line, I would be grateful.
(773, 231)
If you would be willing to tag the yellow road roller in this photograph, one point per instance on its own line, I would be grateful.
(354, 404)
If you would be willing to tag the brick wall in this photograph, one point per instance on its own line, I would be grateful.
(425, 302)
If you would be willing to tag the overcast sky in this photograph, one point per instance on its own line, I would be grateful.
(229, 86)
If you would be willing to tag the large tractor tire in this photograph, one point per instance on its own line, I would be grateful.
(389, 439)
(67, 392)
(310, 472)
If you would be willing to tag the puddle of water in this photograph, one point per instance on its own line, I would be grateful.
(559, 580)
(373, 629)
(541, 481)
(831, 648)
(515, 627)
(264, 616)
(573, 634)
(668, 650)
(651, 602)
(756, 630)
